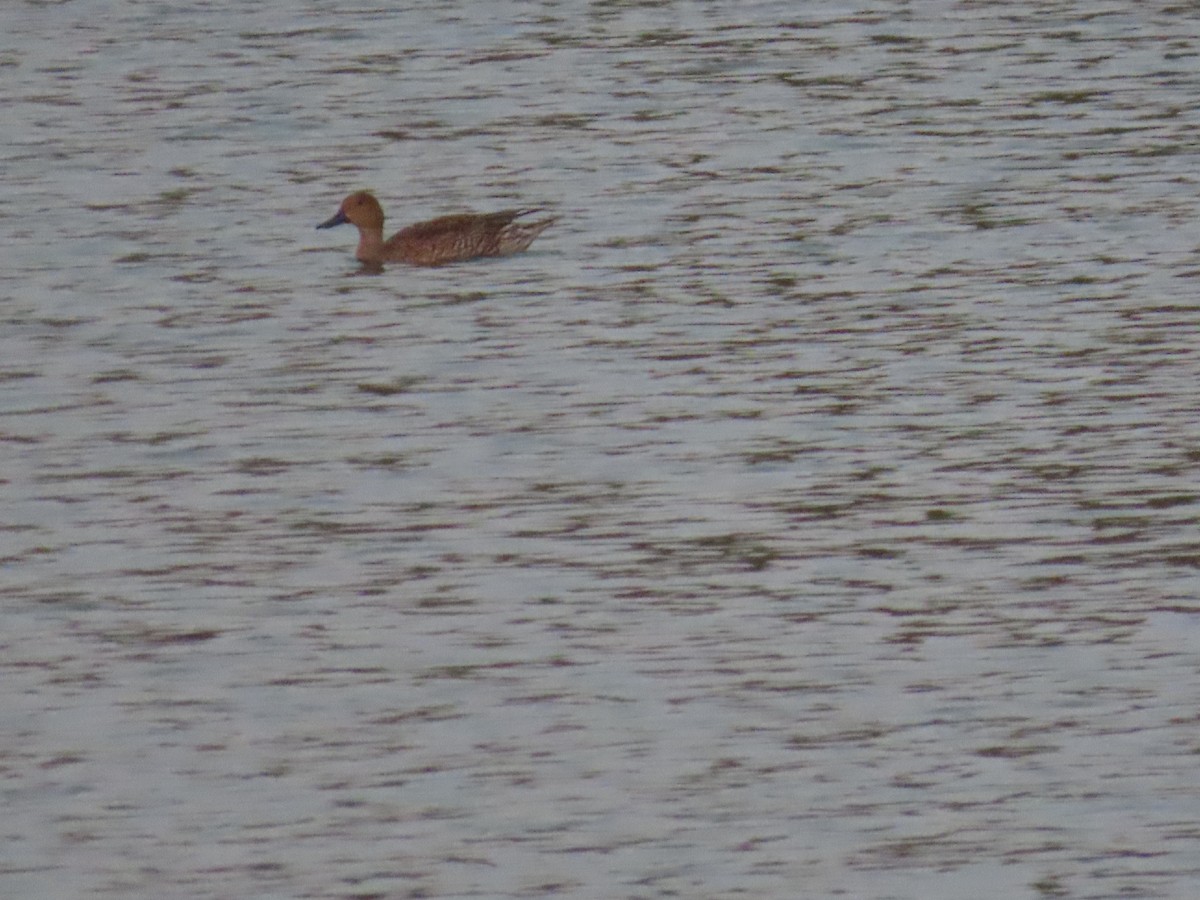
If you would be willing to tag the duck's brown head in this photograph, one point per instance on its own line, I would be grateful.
(361, 209)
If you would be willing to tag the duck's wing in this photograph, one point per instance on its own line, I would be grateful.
(460, 223)
(455, 237)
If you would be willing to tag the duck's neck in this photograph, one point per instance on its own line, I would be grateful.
(370, 245)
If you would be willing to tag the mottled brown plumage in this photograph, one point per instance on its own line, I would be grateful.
(439, 241)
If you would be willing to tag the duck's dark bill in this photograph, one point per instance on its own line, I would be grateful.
(339, 219)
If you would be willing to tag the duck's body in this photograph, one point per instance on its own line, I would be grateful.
(439, 241)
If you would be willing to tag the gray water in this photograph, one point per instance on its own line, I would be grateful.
(811, 512)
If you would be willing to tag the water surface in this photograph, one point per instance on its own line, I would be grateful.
(811, 512)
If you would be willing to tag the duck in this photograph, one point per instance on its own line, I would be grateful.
(436, 242)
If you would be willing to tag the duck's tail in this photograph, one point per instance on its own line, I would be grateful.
(516, 236)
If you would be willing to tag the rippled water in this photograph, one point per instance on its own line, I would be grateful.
(812, 512)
